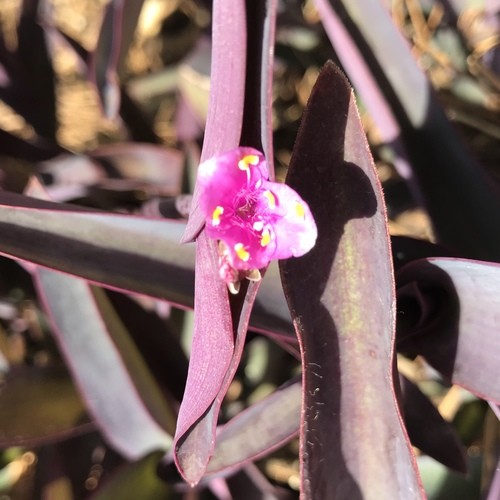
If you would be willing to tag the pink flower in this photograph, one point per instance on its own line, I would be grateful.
(254, 219)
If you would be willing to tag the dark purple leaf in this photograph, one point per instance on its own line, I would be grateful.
(35, 149)
(405, 249)
(463, 203)
(351, 57)
(213, 350)
(158, 342)
(258, 430)
(341, 296)
(38, 95)
(220, 323)
(28, 63)
(448, 313)
(251, 484)
(101, 247)
(111, 375)
(104, 59)
(428, 431)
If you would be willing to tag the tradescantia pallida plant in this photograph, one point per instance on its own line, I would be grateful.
(347, 296)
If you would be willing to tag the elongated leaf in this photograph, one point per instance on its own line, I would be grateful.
(157, 341)
(211, 354)
(105, 246)
(351, 57)
(28, 64)
(220, 324)
(100, 247)
(443, 168)
(140, 162)
(448, 313)
(259, 429)
(227, 83)
(342, 302)
(104, 61)
(428, 430)
(118, 389)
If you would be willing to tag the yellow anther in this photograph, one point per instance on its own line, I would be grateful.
(270, 198)
(241, 252)
(216, 215)
(300, 210)
(265, 238)
(246, 161)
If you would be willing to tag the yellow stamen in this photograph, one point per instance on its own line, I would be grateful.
(241, 252)
(265, 238)
(246, 161)
(216, 215)
(300, 210)
(270, 198)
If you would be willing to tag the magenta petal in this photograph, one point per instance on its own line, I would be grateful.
(222, 177)
(294, 226)
(245, 248)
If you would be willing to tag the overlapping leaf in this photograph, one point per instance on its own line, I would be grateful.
(353, 441)
(448, 313)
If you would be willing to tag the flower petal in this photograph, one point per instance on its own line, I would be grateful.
(222, 177)
(249, 249)
(293, 223)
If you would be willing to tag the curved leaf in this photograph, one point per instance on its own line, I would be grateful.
(227, 83)
(448, 313)
(428, 431)
(118, 389)
(220, 323)
(353, 444)
(258, 430)
(101, 247)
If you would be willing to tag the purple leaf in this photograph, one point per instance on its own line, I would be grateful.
(341, 296)
(139, 162)
(104, 59)
(251, 484)
(227, 80)
(266, 81)
(351, 57)
(117, 387)
(34, 149)
(258, 430)
(104, 250)
(28, 64)
(220, 324)
(211, 354)
(158, 341)
(448, 313)
(428, 431)
(100, 247)
(442, 166)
